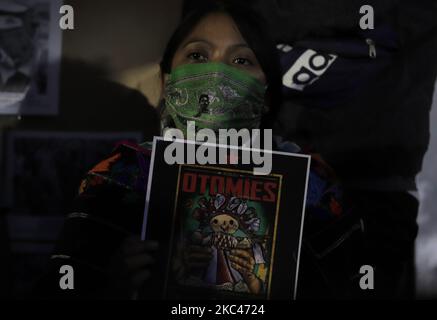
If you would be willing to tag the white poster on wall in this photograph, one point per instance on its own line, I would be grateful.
(30, 52)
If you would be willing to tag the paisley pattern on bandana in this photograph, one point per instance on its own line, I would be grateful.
(215, 96)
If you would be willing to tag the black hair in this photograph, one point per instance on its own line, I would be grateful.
(255, 32)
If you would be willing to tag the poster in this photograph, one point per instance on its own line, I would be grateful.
(226, 233)
(30, 52)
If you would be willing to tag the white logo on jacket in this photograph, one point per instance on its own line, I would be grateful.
(310, 66)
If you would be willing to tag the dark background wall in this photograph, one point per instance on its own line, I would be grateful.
(110, 38)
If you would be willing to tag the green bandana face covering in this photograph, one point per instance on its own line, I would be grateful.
(215, 96)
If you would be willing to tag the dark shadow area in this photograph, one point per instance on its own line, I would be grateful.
(45, 159)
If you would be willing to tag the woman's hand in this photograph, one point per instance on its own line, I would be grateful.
(130, 266)
(242, 260)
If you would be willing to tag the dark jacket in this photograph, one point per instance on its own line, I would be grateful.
(368, 117)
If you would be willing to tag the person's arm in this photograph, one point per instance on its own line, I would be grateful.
(100, 236)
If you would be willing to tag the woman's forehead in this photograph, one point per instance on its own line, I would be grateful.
(216, 30)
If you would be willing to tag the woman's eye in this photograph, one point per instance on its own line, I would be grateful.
(242, 61)
(197, 57)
